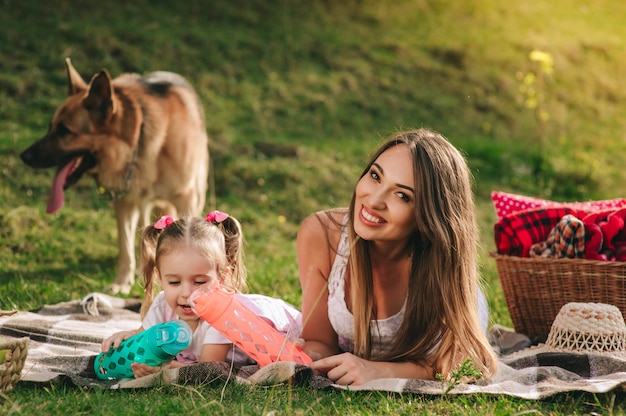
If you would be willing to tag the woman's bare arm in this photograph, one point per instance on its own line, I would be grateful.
(315, 258)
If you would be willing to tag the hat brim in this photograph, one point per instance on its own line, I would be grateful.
(546, 349)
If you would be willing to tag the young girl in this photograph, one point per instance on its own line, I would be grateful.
(182, 255)
(390, 285)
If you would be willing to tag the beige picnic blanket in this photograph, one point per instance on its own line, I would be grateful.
(66, 337)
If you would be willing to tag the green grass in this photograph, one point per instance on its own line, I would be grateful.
(296, 95)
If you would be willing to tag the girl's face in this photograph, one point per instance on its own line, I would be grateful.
(385, 198)
(181, 272)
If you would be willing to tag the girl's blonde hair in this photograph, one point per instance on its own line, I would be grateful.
(221, 244)
(442, 305)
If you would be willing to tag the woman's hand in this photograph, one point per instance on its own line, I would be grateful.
(348, 369)
(114, 340)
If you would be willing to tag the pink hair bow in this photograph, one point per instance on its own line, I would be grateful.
(216, 217)
(163, 222)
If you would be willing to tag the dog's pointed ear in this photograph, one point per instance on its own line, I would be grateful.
(100, 101)
(75, 81)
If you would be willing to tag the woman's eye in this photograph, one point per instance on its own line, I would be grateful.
(404, 197)
(374, 175)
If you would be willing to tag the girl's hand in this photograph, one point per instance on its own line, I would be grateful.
(347, 369)
(114, 340)
(300, 343)
(142, 370)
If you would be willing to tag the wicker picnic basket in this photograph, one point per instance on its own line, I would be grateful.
(535, 289)
(11, 367)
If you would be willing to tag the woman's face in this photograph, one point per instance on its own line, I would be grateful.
(181, 272)
(385, 198)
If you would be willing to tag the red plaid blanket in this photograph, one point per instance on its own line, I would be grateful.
(604, 229)
(515, 233)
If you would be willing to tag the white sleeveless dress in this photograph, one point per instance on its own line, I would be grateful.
(341, 319)
(383, 330)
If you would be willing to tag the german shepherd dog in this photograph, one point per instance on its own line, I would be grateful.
(143, 140)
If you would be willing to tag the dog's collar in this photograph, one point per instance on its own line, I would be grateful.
(112, 195)
(116, 195)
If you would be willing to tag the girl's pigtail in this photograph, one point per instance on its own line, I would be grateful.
(149, 269)
(233, 238)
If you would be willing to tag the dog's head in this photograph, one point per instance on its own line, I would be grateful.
(80, 130)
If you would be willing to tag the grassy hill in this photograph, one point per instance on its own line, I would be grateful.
(296, 96)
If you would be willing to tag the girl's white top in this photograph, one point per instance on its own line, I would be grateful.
(383, 330)
(277, 312)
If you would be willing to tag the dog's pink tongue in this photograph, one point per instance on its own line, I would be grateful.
(56, 199)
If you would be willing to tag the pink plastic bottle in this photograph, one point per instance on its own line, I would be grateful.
(254, 335)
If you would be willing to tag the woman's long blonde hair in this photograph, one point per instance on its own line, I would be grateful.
(221, 244)
(442, 306)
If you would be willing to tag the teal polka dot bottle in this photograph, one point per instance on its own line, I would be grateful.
(153, 346)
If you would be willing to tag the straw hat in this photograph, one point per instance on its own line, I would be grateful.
(584, 328)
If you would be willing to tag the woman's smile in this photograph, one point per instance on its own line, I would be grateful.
(370, 217)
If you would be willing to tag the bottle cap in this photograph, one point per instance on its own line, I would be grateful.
(174, 337)
(211, 301)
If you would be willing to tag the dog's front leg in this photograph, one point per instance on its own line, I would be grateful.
(127, 216)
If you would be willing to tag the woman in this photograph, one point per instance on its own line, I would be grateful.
(390, 285)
